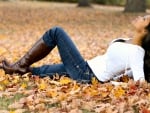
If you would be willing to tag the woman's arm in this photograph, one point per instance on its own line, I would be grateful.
(136, 61)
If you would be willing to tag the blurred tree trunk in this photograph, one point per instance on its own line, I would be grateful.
(135, 6)
(84, 3)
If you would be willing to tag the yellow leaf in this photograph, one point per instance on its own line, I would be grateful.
(104, 94)
(26, 77)
(42, 85)
(118, 92)
(109, 87)
(2, 75)
(16, 79)
(91, 92)
(94, 92)
(62, 96)
(54, 94)
(149, 96)
(65, 80)
(75, 89)
(2, 36)
(51, 93)
(1, 88)
(2, 50)
(94, 81)
(11, 111)
(24, 85)
(76, 86)
(6, 82)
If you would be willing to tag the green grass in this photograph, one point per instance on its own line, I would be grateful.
(5, 101)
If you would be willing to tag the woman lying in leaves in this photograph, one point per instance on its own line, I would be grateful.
(123, 56)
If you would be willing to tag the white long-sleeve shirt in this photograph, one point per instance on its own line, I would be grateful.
(118, 58)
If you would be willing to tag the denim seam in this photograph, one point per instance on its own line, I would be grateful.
(72, 58)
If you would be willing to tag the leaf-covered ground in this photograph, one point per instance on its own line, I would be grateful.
(22, 23)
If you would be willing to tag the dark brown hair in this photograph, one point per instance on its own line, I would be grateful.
(146, 46)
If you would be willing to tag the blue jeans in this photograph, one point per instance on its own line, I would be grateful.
(72, 64)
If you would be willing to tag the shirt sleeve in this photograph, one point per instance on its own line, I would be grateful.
(129, 73)
(136, 60)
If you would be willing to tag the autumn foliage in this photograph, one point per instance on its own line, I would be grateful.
(22, 23)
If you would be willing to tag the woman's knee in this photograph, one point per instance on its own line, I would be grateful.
(57, 29)
(54, 34)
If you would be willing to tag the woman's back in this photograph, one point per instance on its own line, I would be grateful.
(119, 57)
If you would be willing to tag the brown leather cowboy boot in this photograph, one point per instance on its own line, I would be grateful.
(36, 53)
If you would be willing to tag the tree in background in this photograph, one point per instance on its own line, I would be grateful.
(135, 6)
(84, 3)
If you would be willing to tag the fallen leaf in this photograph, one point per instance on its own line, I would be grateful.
(51, 93)
(75, 111)
(42, 85)
(40, 107)
(2, 88)
(24, 85)
(2, 50)
(4, 111)
(94, 81)
(15, 105)
(144, 110)
(65, 80)
(118, 91)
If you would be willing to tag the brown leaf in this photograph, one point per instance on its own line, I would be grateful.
(4, 111)
(40, 107)
(16, 105)
(144, 110)
(75, 111)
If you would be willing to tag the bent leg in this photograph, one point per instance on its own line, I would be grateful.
(73, 62)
